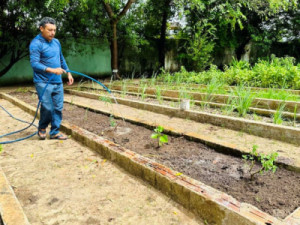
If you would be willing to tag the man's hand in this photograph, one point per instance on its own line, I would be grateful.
(57, 71)
(70, 77)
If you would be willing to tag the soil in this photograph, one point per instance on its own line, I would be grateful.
(275, 193)
(66, 183)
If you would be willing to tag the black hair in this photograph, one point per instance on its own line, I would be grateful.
(46, 20)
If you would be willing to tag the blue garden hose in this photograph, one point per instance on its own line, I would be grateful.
(36, 112)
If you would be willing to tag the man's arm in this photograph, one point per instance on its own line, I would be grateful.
(35, 56)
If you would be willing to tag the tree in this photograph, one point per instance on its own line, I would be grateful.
(111, 8)
(17, 25)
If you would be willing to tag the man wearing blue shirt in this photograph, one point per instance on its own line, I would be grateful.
(48, 62)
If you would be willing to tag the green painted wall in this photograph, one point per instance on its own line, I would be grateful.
(86, 56)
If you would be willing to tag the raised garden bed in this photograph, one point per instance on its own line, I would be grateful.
(223, 172)
(273, 104)
(256, 114)
(262, 129)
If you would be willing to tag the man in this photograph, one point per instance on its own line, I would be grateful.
(47, 61)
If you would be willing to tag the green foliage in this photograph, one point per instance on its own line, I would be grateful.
(112, 121)
(105, 99)
(159, 96)
(1, 149)
(242, 100)
(277, 117)
(22, 90)
(272, 73)
(266, 161)
(143, 92)
(162, 138)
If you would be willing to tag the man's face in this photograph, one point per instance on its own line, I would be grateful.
(48, 31)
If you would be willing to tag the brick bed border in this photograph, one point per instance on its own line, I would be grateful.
(205, 202)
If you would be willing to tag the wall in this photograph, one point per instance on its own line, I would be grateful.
(85, 56)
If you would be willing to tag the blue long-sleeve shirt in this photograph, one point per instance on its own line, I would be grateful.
(44, 54)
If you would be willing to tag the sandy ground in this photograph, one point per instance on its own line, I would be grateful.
(243, 140)
(62, 182)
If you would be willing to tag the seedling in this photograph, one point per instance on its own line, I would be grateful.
(143, 95)
(112, 121)
(124, 88)
(266, 161)
(158, 94)
(85, 114)
(105, 99)
(161, 138)
(277, 118)
(243, 101)
(1, 149)
(295, 115)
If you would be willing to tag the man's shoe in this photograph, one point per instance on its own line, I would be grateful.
(59, 136)
(42, 134)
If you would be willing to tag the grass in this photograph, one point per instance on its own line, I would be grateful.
(158, 94)
(242, 100)
(143, 92)
(277, 117)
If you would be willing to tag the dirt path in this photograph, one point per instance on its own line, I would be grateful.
(286, 151)
(65, 183)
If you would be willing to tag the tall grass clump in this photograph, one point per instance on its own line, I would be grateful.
(242, 100)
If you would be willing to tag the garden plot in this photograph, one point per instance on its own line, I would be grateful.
(193, 159)
(288, 134)
(244, 105)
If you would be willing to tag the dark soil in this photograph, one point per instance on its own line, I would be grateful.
(275, 193)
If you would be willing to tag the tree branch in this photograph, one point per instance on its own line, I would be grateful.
(108, 9)
(125, 9)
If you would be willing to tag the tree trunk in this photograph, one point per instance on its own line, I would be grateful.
(163, 30)
(114, 40)
(114, 49)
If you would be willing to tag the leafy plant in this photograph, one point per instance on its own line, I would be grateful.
(277, 117)
(266, 161)
(162, 138)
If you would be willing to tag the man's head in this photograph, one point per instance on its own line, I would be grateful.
(48, 28)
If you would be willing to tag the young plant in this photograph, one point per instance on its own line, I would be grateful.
(112, 121)
(229, 107)
(277, 117)
(266, 161)
(124, 88)
(153, 80)
(105, 99)
(158, 94)
(143, 93)
(243, 100)
(161, 138)
(80, 84)
(85, 114)
(295, 115)
(1, 149)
